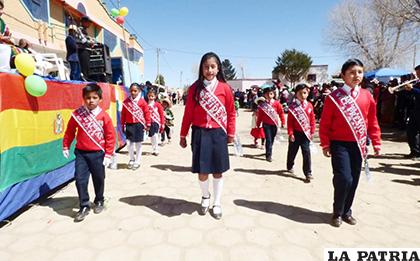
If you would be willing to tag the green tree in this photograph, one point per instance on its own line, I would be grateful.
(293, 65)
(160, 79)
(228, 70)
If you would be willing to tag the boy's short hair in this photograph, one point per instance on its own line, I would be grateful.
(417, 67)
(301, 86)
(92, 87)
(350, 63)
(1, 3)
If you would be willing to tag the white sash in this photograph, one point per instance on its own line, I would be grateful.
(354, 118)
(302, 118)
(270, 112)
(154, 114)
(87, 121)
(214, 108)
(135, 110)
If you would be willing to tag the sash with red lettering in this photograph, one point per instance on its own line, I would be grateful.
(87, 121)
(154, 114)
(269, 110)
(135, 110)
(214, 107)
(354, 118)
(302, 118)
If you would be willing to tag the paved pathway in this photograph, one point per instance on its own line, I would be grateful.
(268, 214)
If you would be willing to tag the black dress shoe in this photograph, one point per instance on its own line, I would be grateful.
(217, 215)
(98, 207)
(204, 209)
(269, 159)
(350, 220)
(336, 221)
(83, 212)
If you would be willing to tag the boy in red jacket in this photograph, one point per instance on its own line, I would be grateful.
(95, 142)
(348, 118)
(267, 114)
(300, 128)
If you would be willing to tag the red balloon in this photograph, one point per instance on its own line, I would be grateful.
(120, 20)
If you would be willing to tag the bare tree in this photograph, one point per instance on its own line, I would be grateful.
(363, 28)
(405, 9)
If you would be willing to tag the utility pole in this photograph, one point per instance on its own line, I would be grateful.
(180, 80)
(157, 63)
(414, 56)
(242, 70)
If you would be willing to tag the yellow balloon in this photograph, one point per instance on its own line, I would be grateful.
(25, 64)
(123, 11)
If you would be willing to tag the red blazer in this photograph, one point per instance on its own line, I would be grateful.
(160, 111)
(333, 125)
(83, 142)
(293, 124)
(127, 117)
(195, 115)
(264, 118)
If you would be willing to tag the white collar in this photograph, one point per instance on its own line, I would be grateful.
(305, 102)
(348, 89)
(136, 99)
(210, 85)
(95, 111)
(151, 103)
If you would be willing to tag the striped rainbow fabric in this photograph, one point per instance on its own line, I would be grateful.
(31, 129)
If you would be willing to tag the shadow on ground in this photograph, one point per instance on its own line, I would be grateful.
(281, 173)
(414, 182)
(173, 168)
(65, 206)
(297, 214)
(397, 169)
(169, 207)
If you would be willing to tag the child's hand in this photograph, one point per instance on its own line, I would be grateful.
(66, 154)
(291, 138)
(326, 152)
(183, 142)
(230, 139)
(106, 161)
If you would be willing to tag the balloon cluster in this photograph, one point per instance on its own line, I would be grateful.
(119, 14)
(34, 85)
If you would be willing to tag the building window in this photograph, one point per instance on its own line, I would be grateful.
(134, 55)
(38, 9)
(81, 8)
(110, 40)
(311, 78)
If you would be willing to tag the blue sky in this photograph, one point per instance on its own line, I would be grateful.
(249, 33)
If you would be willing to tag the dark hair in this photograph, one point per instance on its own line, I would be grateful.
(136, 85)
(350, 63)
(152, 90)
(417, 67)
(200, 82)
(148, 83)
(92, 87)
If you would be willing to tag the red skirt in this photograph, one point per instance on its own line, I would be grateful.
(258, 133)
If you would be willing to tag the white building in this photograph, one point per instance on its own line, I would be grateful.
(245, 84)
(316, 74)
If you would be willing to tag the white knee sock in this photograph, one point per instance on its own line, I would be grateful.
(154, 139)
(217, 187)
(204, 185)
(138, 152)
(130, 146)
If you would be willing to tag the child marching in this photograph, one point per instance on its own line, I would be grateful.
(169, 120)
(267, 114)
(95, 142)
(257, 132)
(135, 119)
(210, 111)
(158, 120)
(300, 128)
(348, 119)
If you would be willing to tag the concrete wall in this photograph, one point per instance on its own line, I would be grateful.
(245, 84)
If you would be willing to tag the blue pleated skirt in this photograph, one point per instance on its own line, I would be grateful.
(209, 150)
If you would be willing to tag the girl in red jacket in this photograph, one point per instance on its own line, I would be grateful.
(135, 118)
(348, 118)
(301, 128)
(158, 120)
(211, 113)
(268, 114)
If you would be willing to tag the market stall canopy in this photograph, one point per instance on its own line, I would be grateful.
(386, 72)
